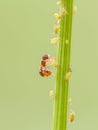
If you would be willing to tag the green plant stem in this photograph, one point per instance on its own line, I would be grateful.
(62, 86)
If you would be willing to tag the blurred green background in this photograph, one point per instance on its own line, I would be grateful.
(26, 27)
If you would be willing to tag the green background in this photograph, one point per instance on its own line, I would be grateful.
(26, 27)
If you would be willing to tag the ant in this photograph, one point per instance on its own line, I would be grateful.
(44, 72)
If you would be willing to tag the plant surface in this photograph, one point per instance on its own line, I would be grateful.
(64, 71)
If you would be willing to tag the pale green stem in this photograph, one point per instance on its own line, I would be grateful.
(62, 86)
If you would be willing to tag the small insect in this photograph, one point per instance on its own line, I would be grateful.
(44, 72)
(52, 94)
(55, 40)
(70, 101)
(56, 28)
(72, 117)
(58, 3)
(57, 16)
(75, 10)
(68, 74)
(64, 12)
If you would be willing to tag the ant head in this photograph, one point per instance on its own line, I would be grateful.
(45, 57)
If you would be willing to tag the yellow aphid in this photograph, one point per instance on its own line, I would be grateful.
(64, 12)
(56, 28)
(68, 75)
(67, 41)
(54, 63)
(58, 3)
(75, 10)
(70, 100)
(72, 117)
(55, 40)
(57, 16)
(51, 94)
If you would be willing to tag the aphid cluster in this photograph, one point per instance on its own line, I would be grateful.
(46, 59)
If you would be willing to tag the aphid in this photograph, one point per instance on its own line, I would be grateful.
(70, 100)
(58, 3)
(75, 10)
(55, 40)
(52, 94)
(57, 16)
(64, 12)
(53, 62)
(68, 74)
(72, 117)
(56, 28)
